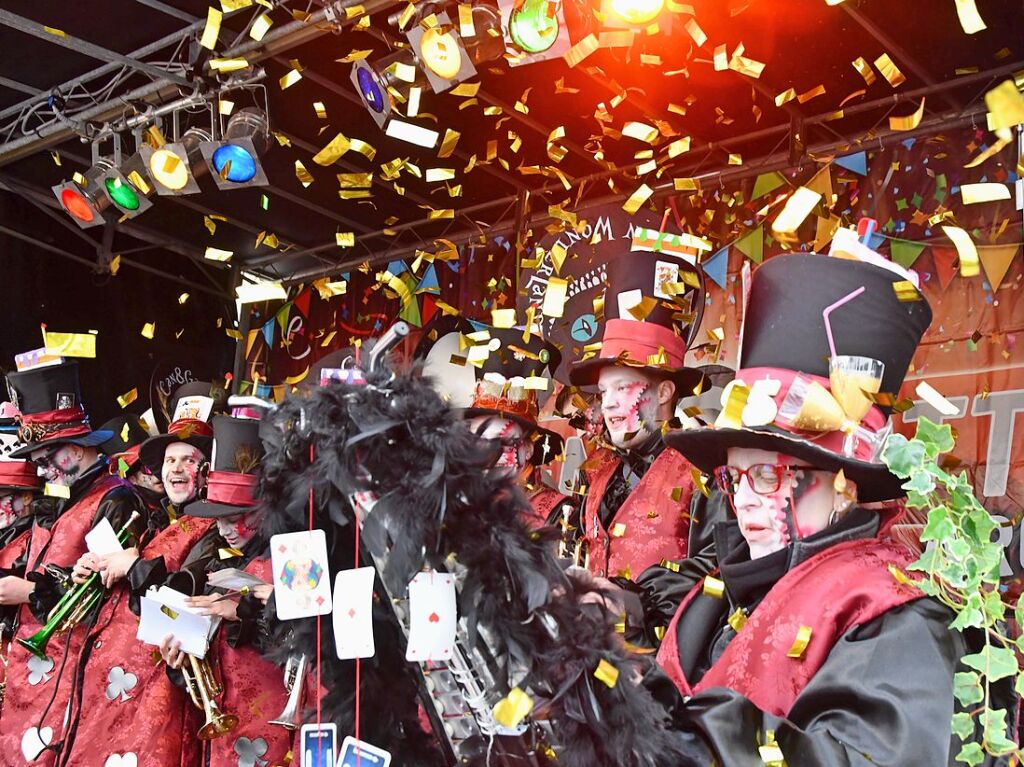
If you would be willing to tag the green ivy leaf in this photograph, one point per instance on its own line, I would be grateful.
(903, 456)
(963, 725)
(995, 607)
(937, 439)
(994, 723)
(940, 526)
(920, 482)
(1019, 684)
(967, 688)
(994, 662)
(971, 754)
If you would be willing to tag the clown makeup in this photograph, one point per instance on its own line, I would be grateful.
(143, 477)
(628, 405)
(180, 473)
(13, 505)
(516, 446)
(238, 529)
(60, 465)
(802, 505)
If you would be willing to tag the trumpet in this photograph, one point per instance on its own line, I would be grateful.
(75, 604)
(294, 677)
(203, 687)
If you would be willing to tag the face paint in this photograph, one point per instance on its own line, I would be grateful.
(180, 472)
(629, 409)
(60, 466)
(238, 529)
(516, 446)
(146, 479)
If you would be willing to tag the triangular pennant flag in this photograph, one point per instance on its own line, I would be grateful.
(996, 259)
(751, 245)
(282, 316)
(428, 283)
(478, 325)
(825, 231)
(268, 333)
(945, 264)
(302, 302)
(857, 162)
(429, 308)
(397, 267)
(905, 252)
(822, 184)
(250, 340)
(410, 311)
(767, 182)
(715, 267)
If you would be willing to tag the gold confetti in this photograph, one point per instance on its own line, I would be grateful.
(451, 138)
(930, 395)
(786, 96)
(640, 131)
(289, 79)
(216, 254)
(57, 491)
(320, 109)
(466, 26)
(813, 93)
(183, 298)
(731, 416)
(607, 673)
(890, 71)
(225, 107)
(695, 32)
(234, 5)
(638, 198)
(70, 344)
(905, 291)
(127, 398)
(797, 208)
(910, 121)
(581, 50)
(618, 530)
(148, 330)
(355, 180)
(554, 297)
(260, 27)
(988, 192)
(686, 184)
(304, 176)
(803, 638)
(713, 587)
(333, 151)
(969, 264)
(503, 318)
(228, 65)
(721, 58)
(864, 69)
(345, 239)
(970, 19)
(212, 29)
(366, 150)
(513, 708)
(354, 55)
(735, 159)
(1005, 106)
(439, 174)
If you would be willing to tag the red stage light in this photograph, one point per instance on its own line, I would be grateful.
(76, 204)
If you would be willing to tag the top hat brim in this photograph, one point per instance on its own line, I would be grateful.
(152, 451)
(687, 380)
(539, 457)
(213, 510)
(92, 439)
(707, 449)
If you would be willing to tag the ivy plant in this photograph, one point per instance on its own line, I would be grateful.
(960, 568)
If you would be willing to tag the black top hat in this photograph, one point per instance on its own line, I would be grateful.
(666, 296)
(510, 357)
(192, 431)
(231, 485)
(52, 412)
(784, 334)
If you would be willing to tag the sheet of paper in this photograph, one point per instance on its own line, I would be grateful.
(158, 619)
(233, 579)
(102, 539)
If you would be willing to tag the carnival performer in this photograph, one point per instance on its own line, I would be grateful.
(637, 508)
(804, 643)
(58, 438)
(253, 686)
(123, 452)
(123, 703)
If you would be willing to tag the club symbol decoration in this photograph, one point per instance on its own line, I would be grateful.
(119, 683)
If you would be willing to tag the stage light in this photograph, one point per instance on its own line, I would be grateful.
(170, 166)
(448, 58)
(234, 161)
(638, 13)
(126, 186)
(533, 30)
(375, 81)
(441, 53)
(84, 209)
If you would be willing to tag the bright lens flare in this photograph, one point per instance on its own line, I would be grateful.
(169, 169)
(639, 12)
(77, 205)
(441, 53)
(531, 28)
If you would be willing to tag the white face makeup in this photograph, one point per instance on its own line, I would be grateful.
(13, 505)
(238, 529)
(629, 404)
(58, 466)
(516, 446)
(765, 518)
(180, 472)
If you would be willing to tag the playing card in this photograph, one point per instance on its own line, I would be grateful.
(432, 616)
(664, 271)
(626, 300)
(196, 407)
(302, 585)
(357, 753)
(102, 539)
(233, 579)
(319, 745)
(353, 617)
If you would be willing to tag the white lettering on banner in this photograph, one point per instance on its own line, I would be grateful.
(173, 380)
(295, 327)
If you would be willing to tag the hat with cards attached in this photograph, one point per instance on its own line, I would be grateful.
(231, 484)
(192, 406)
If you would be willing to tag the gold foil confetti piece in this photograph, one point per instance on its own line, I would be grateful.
(969, 263)
(361, 194)
(735, 159)
(183, 298)
(993, 150)
(345, 239)
(333, 151)
(228, 65)
(402, 71)
(731, 416)
(797, 208)
(1005, 105)
(641, 132)
(686, 184)
(713, 587)
(229, 553)
(355, 180)
(448, 143)
(618, 530)
(987, 192)
(304, 176)
(554, 297)
(260, 27)
(148, 330)
(217, 254)
(511, 710)
(813, 93)
(737, 620)
(970, 19)
(225, 107)
(909, 122)
(355, 55)
(581, 50)
(695, 32)
(503, 318)
(289, 79)
(678, 147)
(864, 69)
(638, 198)
(721, 58)
(905, 291)
(890, 71)
(406, 16)
(466, 26)
(465, 90)
(57, 491)
(607, 673)
(799, 646)
(234, 5)
(320, 109)
(929, 394)
(212, 29)
(126, 399)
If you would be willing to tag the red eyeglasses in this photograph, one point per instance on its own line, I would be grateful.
(763, 478)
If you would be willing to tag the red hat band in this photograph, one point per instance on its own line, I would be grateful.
(190, 427)
(231, 487)
(638, 343)
(53, 424)
(19, 474)
(831, 439)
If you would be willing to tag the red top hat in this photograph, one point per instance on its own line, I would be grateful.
(18, 475)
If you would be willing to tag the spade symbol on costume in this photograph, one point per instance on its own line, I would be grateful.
(433, 617)
(250, 751)
(39, 669)
(120, 682)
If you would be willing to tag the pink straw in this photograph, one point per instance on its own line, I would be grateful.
(832, 307)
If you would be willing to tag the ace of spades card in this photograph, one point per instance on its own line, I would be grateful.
(353, 613)
(432, 617)
(301, 581)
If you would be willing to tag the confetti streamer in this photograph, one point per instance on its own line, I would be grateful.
(969, 262)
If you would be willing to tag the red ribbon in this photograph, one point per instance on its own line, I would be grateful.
(640, 340)
(53, 424)
(231, 487)
(189, 427)
(19, 474)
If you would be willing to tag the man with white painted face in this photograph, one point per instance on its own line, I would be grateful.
(637, 509)
(130, 431)
(79, 492)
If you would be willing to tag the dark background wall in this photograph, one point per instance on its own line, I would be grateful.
(41, 287)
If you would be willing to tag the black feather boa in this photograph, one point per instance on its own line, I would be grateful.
(437, 496)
